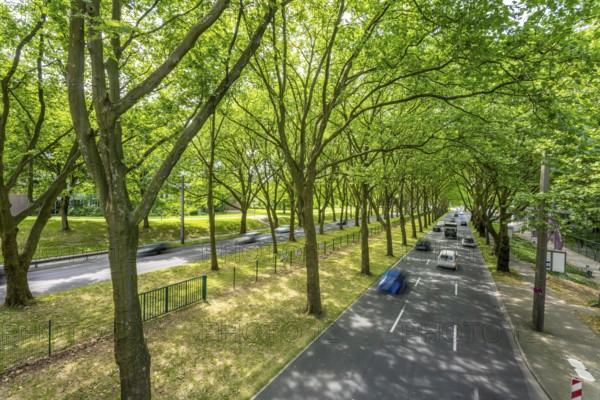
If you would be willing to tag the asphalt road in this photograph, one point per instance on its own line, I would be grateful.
(65, 275)
(443, 338)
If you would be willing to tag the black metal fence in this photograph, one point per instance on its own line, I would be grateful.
(161, 301)
(20, 344)
(584, 247)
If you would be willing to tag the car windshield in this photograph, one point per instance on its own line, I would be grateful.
(445, 257)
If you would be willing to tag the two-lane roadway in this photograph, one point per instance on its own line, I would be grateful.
(65, 275)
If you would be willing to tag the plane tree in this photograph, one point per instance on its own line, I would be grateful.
(33, 130)
(105, 44)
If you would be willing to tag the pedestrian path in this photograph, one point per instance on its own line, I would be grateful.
(566, 342)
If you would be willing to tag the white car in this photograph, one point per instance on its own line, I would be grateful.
(447, 259)
(468, 242)
(282, 229)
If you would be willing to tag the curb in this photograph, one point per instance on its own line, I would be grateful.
(514, 340)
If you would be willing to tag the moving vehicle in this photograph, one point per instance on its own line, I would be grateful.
(450, 230)
(468, 242)
(463, 223)
(423, 245)
(282, 229)
(439, 226)
(342, 222)
(393, 281)
(153, 249)
(447, 259)
(248, 237)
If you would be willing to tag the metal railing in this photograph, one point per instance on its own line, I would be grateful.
(21, 344)
(161, 301)
(586, 248)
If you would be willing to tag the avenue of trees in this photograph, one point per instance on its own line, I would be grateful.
(343, 109)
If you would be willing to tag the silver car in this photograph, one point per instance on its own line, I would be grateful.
(248, 237)
(468, 242)
(282, 229)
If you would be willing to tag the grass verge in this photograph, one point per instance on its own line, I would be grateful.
(226, 348)
(510, 277)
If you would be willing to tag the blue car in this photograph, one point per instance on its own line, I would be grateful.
(393, 281)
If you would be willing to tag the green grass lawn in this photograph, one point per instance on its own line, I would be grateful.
(90, 233)
(226, 348)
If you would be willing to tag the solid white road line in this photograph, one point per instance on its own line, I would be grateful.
(427, 263)
(417, 284)
(398, 319)
(454, 341)
(475, 395)
(456, 289)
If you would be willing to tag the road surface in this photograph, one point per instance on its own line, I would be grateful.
(443, 338)
(65, 275)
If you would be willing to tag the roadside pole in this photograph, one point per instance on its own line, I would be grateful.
(539, 290)
(182, 221)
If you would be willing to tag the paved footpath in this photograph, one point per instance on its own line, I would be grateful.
(446, 337)
(565, 342)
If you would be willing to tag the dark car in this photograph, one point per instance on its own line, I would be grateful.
(393, 281)
(423, 245)
(342, 222)
(248, 237)
(463, 223)
(153, 249)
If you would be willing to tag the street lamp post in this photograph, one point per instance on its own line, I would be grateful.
(182, 220)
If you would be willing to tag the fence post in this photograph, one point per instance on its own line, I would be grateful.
(234, 277)
(166, 299)
(204, 287)
(256, 280)
(291, 255)
(49, 337)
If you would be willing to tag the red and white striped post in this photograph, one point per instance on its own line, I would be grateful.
(576, 389)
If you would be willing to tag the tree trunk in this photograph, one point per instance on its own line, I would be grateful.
(503, 250)
(292, 217)
(356, 216)
(322, 221)
(131, 352)
(15, 270)
(272, 225)
(243, 222)
(401, 214)
(313, 286)
(419, 215)
(64, 214)
(365, 267)
(388, 232)
(146, 224)
(334, 218)
(403, 228)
